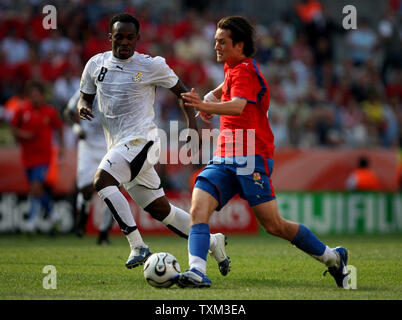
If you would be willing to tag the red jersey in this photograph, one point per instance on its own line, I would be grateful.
(245, 81)
(40, 122)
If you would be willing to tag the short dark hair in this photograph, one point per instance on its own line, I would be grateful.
(124, 17)
(241, 30)
(364, 162)
(36, 85)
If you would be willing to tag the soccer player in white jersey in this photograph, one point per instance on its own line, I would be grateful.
(125, 82)
(90, 151)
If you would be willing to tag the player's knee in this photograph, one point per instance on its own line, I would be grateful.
(97, 182)
(102, 179)
(36, 189)
(158, 209)
(276, 228)
(87, 192)
(198, 213)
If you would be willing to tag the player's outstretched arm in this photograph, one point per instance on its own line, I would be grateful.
(84, 106)
(70, 114)
(189, 113)
(217, 92)
(71, 117)
(212, 96)
(233, 107)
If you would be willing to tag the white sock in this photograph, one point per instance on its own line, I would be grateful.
(329, 257)
(135, 240)
(120, 209)
(212, 242)
(198, 263)
(180, 220)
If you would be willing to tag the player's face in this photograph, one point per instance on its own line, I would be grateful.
(36, 96)
(225, 50)
(124, 38)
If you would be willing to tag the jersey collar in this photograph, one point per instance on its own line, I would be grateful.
(114, 59)
(245, 60)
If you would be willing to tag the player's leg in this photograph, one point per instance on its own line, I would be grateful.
(113, 170)
(83, 204)
(35, 191)
(176, 219)
(203, 205)
(88, 160)
(40, 198)
(106, 225)
(258, 190)
(147, 192)
(299, 235)
(214, 187)
(47, 202)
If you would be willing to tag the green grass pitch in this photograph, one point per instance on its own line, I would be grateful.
(263, 268)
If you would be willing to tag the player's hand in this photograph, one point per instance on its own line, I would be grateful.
(206, 117)
(192, 99)
(85, 113)
(77, 129)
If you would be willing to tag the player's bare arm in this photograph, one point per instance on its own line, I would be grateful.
(218, 91)
(233, 107)
(212, 96)
(71, 117)
(189, 113)
(84, 106)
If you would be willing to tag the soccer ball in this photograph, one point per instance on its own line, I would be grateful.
(160, 269)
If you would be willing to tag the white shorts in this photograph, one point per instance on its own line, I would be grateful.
(132, 165)
(88, 159)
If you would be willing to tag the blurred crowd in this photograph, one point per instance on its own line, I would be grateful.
(329, 87)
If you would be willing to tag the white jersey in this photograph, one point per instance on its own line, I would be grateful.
(95, 137)
(126, 93)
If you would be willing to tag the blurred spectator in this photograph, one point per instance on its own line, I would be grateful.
(390, 38)
(308, 137)
(363, 178)
(394, 86)
(352, 123)
(279, 129)
(32, 126)
(97, 42)
(56, 44)
(292, 88)
(16, 49)
(392, 115)
(361, 43)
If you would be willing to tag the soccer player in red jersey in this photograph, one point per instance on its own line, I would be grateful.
(33, 125)
(243, 106)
